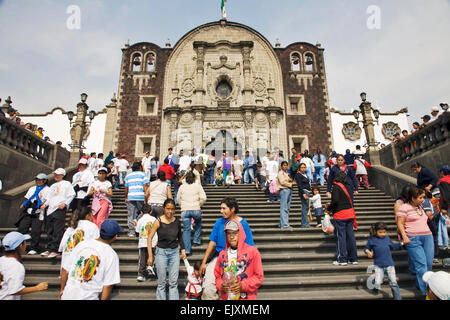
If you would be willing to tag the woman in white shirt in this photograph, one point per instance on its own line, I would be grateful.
(159, 192)
(101, 203)
(12, 271)
(238, 167)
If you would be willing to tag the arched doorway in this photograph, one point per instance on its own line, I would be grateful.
(224, 142)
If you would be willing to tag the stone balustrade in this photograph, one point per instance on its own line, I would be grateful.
(22, 140)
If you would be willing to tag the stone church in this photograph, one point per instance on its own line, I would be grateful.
(221, 87)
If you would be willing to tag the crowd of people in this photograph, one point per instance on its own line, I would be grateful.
(231, 266)
(435, 114)
(13, 115)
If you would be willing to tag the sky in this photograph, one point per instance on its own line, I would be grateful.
(402, 62)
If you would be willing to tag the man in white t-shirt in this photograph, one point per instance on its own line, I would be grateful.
(100, 163)
(80, 183)
(31, 214)
(60, 196)
(146, 161)
(144, 227)
(92, 163)
(185, 162)
(92, 269)
(123, 168)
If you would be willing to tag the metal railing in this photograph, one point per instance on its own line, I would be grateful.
(22, 140)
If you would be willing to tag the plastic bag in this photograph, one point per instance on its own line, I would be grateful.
(327, 226)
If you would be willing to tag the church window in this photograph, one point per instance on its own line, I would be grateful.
(295, 62)
(136, 61)
(150, 62)
(223, 89)
(294, 107)
(309, 62)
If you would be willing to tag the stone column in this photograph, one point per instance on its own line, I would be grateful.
(198, 131)
(110, 127)
(368, 121)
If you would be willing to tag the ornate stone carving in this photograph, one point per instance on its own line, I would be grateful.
(186, 120)
(351, 131)
(188, 87)
(248, 119)
(259, 86)
(389, 128)
(273, 120)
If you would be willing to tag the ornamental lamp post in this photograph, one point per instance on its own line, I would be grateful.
(366, 110)
(79, 131)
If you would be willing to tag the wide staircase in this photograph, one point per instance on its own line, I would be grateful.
(297, 264)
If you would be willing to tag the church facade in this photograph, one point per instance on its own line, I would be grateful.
(222, 87)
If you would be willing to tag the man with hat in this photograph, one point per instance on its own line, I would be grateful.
(92, 269)
(58, 201)
(12, 114)
(31, 214)
(40, 132)
(444, 107)
(12, 271)
(238, 271)
(426, 120)
(438, 285)
(397, 137)
(80, 183)
(434, 113)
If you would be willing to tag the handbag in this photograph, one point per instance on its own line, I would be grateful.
(273, 187)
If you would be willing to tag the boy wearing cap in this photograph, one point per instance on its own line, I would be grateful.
(426, 120)
(92, 269)
(12, 270)
(31, 215)
(238, 271)
(438, 285)
(60, 196)
(80, 183)
(434, 113)
(143, 228)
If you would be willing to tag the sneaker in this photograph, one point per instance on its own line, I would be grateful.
(435, 260)
(319, 226)
(354, 262)
(339, 263)
(287, 229)
(131, 235)
(52, 255)
(32, 252)
(45, 253)
(140, 279)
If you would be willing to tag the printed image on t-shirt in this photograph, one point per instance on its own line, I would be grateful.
(73, 240)
(86, 268)
(145, 230)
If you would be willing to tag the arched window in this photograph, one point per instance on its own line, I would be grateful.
(136, 62)
(309, 62)
(150, 62)
(295, 61)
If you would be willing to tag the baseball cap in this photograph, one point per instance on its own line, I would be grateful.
(445, 169)
(83, 161)
(426, 117)
(434, 109)
(102, 169)
(14, 239)
(231, 226)
(11, 109)
(396, 134)
(60, 171)
(41, 176)
(110, 228)
(439, 283)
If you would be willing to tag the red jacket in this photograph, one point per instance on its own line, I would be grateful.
(167, 168)
(248, 266)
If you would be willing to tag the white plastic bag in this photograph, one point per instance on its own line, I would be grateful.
(327, 226)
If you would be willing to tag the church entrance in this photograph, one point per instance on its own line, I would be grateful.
(224, 142)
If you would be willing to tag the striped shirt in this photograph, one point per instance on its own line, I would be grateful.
(135, 181)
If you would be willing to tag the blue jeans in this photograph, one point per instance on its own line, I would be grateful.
(421, 252)
(249, 172)
(116, 181)
(320, 172)
(442, 235)
(379, 276)
(273, 197)
(167, 258)
(186, 217)
(305, 208)
(209, 175)
(285, 207)
(345, 240)
(309, 174)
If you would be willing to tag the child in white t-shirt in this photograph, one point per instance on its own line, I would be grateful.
(81, 228)
(194, 286)
(316, 202)
(12, 271)
(230, 179)
(143, 227)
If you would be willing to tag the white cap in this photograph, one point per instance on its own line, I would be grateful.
(60, 171)
(102, 169)
(435, 109)
(83, 161)
(439, 283)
